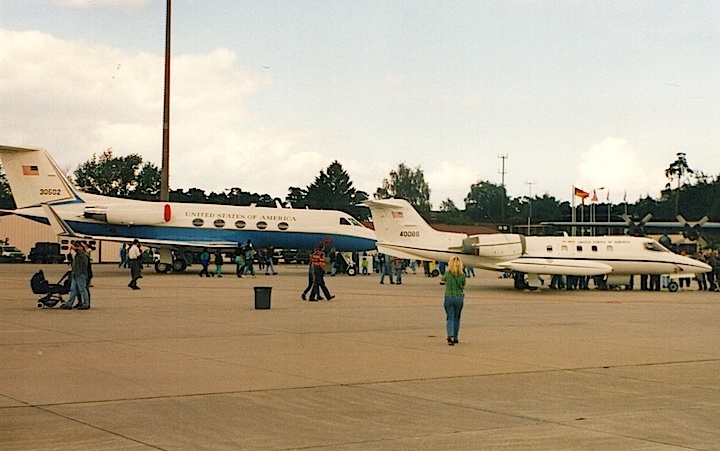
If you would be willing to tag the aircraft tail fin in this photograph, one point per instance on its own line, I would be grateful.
(35, 178)
(398, 223)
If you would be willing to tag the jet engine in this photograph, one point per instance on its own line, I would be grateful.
(497, 245)
(147, 214)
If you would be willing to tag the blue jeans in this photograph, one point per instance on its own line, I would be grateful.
(453, 308)
(78, 285)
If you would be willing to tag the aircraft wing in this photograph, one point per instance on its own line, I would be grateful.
(189, 245)
(563, 267)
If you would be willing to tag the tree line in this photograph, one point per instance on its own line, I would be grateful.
(689, 192)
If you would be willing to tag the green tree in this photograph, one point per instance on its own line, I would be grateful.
(297, 197)
(333, 190)
(408, 184)
(484, 202)
(118, 176)
(449, 213)
(678, 170)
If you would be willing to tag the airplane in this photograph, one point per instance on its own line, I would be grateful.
(44, 194)
(403, 233)
(690, 230)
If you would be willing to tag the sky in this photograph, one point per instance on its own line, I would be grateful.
(266, 94)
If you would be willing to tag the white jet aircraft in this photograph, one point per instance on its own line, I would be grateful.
(44, 194)
(403, 233)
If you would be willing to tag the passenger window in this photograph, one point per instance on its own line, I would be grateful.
(564, 248)
(594, 249)
(283, 226)
(549, 248)
(240, 224)
(262, 225)
(219, 223)
(198, 222)
(609, 248)
(579, 248)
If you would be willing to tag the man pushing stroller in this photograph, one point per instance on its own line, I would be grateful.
(79, 280)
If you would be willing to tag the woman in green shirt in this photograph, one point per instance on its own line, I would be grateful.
(454, 279)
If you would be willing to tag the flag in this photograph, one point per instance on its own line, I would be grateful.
(30, 170)
(608, 196)
(594, 198)
(625, 196)
(581, 194)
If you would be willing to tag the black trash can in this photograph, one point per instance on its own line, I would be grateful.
(262, 297)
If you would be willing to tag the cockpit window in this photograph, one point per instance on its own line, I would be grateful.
(350, 221)
(653, 246)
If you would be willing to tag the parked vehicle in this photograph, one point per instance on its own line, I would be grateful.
(45, 252)
(11, 254)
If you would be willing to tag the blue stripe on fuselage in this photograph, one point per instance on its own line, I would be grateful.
(260, 239)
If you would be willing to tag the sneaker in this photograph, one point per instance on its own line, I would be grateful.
(331, 298)
(65, 307)
(84, 307)
(135, 288)
(302, 296)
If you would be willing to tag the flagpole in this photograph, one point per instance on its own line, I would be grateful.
(574, 215)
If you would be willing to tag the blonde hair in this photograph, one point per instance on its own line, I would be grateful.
(455, 266)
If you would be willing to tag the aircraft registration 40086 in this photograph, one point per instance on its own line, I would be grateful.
(403, 233)
(43, 193)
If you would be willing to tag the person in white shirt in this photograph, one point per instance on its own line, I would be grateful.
(135, 259)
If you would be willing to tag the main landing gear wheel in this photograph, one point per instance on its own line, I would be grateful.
(179, 265)
(162, 267)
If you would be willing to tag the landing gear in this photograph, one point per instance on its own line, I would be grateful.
(161, 267)
(179, 265)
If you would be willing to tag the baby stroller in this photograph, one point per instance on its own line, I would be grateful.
(53, 291)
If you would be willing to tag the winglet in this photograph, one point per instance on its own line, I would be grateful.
(59, 226)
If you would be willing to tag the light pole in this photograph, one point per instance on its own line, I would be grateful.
(529, 184)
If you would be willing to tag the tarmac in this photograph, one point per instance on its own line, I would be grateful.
(188, 363)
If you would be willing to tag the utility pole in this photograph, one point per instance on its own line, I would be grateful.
(165, 170)
(530, 184)
(502, 184)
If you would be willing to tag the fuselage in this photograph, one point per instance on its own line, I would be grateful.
(204, 223)
(615, 255)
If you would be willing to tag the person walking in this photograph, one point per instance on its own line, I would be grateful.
(123, 256)
(79, 280)
(318, 266)
(398, 264)
(385, 267)
(249, 259)
(454, 280)
(205, 262)
(135, 260)
(239, 262)
(218, 263)
(270, 266)
(311, 282)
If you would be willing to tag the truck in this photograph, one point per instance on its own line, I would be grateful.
(46, 252)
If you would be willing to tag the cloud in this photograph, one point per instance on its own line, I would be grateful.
(614, 165)
(452, 181)
(75, 99)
